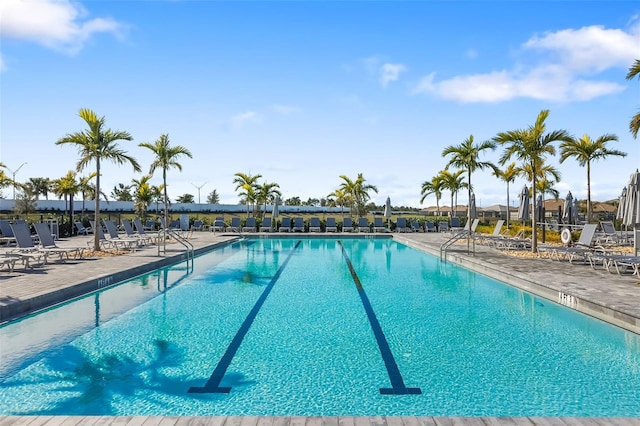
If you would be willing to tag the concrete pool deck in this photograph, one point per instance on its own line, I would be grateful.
(611, 297)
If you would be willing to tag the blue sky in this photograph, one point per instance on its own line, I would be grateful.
(302, 92)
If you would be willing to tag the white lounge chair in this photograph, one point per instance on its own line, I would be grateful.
(48, 244)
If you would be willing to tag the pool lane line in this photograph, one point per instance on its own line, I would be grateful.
(397, 383)
(213, 384)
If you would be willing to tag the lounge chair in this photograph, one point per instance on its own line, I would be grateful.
(363, 225)
(197, 225)
(7, 232)
(235, 225)
(580, 250)
(26, 249)
(430, 226)
(131, 233)
(149, 225)
(331, 226)
(83, 230)
(48, 244)
(298, 225)
(249, 225)
(285, 225)
(8, 260)
(378, 225)
(218, 225)
(455, 224)
(443, 226)
(490, 238)
(118, 241)
(611, 236)
(401, 225)
(141, 230)
(415, 226)
(347, 224)
(266, 225)
(314, 225)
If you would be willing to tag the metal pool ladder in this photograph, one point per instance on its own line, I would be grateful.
(456, 237)
(162, 244)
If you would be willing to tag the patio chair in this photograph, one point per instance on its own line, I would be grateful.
(415, 226)
(118, 241)
(249, 225)
(330, 225)
(285, 225)
(83, 230)
(443, 226)
(611, 236)
(131, 233)
(298, 225)
(48, 244)
(197, 225)
(141, 230)
(378, 225)
(401, 225)
(347, 224)
(490, 238)
(218, 225)
(26, 249)
(314, 225)
(266, 225)
(580, 250)
(430, 226)
(363, 225)
(455, 224)
(235, 225)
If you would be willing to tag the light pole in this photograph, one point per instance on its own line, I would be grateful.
(199, 187)
(13, 177)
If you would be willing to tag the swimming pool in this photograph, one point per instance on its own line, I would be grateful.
(317, 327)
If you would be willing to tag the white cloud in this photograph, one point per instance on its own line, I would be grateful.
(244, 118)
(390, 72)
(569, 63)
(56, 24)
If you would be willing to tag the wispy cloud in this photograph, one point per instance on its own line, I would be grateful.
(567, 69)
(245, 118)
(390, 72)
(61, 25)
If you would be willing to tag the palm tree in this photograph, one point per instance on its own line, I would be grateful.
(358, 191)
(454, 182)
(531, 146)
(98, 144)
(634, 125)
(267, 193)
(247, 184)
(66, 187)
(508, 175)
(339, 198)
(213, 197)
(585, 150)
(86, 188)
(142, 195)
(166, 157)
(40, 186)
(466, 156)
(434, 186)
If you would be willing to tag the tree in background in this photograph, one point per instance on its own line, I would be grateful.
(454, 182)
(213, 197)
(40, 186)
(247, 187)
(358, 191)
(508, 175)
(97, 144)
(185, 199)
(121, 192)
(339, 198)
(531, 146)
(142, 195)
(166, 157)
(434, 186)
(267, 193)
(586, 150)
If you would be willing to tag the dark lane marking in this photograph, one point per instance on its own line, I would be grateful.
(398, 386)
(213, 384)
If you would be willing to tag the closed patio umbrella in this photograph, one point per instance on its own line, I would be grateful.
(387, 210)
(632, 208)
(473, 213)
(523, 210)
(622, 204)
(275, 213)
(567, 214)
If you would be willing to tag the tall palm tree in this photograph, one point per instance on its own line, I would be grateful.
(339, 198)
(86, 188)
(508, 175)
(247, 185)
(585, 150)
(358, 191)
(267, 193)
(142, 195)
(634, 125)
(434, 186)
(40, 186)
(531, 146)
(98, 144)
(466, 156)
(66, 187)
(454, 182)
(166, 157)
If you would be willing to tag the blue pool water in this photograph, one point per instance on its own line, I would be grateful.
(317, 327)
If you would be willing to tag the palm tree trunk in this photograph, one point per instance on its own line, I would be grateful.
(166, 198)
(508, 212)
(534, 235)
(96, 213)
(588, 192)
